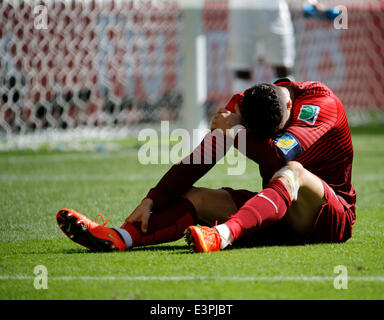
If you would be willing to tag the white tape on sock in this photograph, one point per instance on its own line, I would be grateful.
(292, 178)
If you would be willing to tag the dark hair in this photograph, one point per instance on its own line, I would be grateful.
(262, 109)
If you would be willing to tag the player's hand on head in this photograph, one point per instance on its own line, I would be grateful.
(237, 109)
(142, 214)
(224, 119)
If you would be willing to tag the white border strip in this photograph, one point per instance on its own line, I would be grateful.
(195, 278)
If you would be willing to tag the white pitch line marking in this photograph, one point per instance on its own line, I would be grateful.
(195, 278)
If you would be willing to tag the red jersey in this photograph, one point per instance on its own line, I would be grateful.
(317, 135)
(319, 125)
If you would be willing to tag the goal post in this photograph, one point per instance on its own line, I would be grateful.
(194, 68)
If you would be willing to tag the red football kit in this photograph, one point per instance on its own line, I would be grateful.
(317, 135)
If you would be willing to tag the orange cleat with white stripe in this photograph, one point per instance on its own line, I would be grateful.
(88, 233)
(203, 239)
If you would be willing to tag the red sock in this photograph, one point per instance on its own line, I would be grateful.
(164, 226)
(265, 208)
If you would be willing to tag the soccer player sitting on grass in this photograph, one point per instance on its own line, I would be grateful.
(298, 134)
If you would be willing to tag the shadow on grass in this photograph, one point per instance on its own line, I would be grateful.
(273, 236)
(240, 244)
(252, 241)
(268, 243)
(159, 248)
(246, 242)
(45, 251)
(169, 249)
(162, 247)
(75, 251)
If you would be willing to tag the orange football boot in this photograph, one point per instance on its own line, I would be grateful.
(203, 239)
(88, 233)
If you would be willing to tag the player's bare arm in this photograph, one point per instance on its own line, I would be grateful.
(218, 201)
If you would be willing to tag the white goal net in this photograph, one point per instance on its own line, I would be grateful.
(102, 69)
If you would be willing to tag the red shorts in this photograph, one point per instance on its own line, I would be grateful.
(333, 223)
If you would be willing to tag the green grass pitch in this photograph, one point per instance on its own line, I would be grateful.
(35, 185)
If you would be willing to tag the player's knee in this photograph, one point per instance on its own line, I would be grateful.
(297, 169)
(291, 175)
(195, 196)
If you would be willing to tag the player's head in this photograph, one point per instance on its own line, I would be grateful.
(265, 109)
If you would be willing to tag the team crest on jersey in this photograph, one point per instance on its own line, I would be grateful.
(308, 113)
(289, 146)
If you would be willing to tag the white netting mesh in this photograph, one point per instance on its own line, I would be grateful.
(118, 64)
(98, 63)
(350, 61)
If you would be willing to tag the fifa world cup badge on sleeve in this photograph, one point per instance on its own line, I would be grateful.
(308, 113)
(288, 145)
